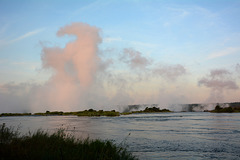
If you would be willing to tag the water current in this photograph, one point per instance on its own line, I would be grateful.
(182, 135)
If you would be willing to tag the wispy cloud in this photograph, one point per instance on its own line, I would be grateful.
(96, 5)
(135, 44)
(237, 68)
(224, 52)
(135, 59)
(177, 14)
(3, 28)
(170, 72)
(180, 12)
(26, 35)
(112, 39)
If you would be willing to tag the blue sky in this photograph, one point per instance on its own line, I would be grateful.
(201, 36)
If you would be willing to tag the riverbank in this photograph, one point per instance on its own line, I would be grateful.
(89, 113)
(59, 145)
(176, 135)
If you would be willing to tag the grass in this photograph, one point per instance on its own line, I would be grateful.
(42, 146)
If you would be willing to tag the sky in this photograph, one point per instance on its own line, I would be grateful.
(73, 55)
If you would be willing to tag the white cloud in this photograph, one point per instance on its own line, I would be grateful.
(219, 81)
(112, 39)
(3, 29)
(180, 12)
(170, 72)
(135, 59)
(92, 6)
(237, 68)
(224, 52)
(26, 35)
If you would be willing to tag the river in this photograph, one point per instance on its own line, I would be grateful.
(179, 135)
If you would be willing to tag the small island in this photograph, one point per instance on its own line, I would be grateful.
(15, 114)
(148, 110)
(89, 113)
(219, 109)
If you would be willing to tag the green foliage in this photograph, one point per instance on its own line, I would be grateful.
(48, 113)
(59, 145)
(147, 110)
(98, 113)
(15, 114)
(7, 135)
(219, 109)
(40, 114)
(90, 112)
(153, 109)
(228, 110)
(126, 113)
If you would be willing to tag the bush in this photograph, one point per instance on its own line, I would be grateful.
(15, 114)
(7, 135)
(218, 108)
(59, 145)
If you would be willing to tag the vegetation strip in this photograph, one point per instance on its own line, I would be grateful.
(219, 109)
(59, 145)
(90, 113)
(234, 108)
(147, 110)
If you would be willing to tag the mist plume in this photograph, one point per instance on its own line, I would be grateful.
(237, 68)
(74, 66)
(135, 59)
(218, 81)
(82, 77)
(169, 72)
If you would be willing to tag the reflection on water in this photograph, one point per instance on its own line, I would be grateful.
(152, 136)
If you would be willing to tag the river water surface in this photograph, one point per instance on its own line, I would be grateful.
(183, 135)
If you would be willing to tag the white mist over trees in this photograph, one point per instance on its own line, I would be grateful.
(218, 81)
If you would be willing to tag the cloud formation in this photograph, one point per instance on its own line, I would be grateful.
(16, 97)
(74, 66)
(78, 60)
(82, 77)
(146, 67)
(169, 72)
(26, 35)
(218, 81)
(226, 51)
(237, 68)
(134, 59)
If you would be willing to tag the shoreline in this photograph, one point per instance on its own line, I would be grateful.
(113, 113)
(88, 113)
